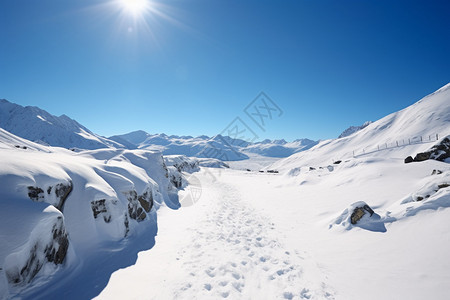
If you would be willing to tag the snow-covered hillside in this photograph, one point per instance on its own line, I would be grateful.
(399, 135)
(63, 212)
(220, 147)
(330, 225)
(35, 124)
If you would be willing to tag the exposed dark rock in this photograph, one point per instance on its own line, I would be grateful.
(99, 208)
(55, 251)
(177, 181)
(146, 200)
(422, 156)
(440, 151)
(272, 171)
(138, 205)
(127, 225)
(312, 168)
(359, 212)
(337, 162)
(63, 191)
(408, 160)
(419, 198)
(443, 185)
(57, 254)
(436, 172)
(35, 193)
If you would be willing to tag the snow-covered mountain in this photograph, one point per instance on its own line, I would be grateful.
(220, 147)
(38, 125)
(403, 133)
(353, 129)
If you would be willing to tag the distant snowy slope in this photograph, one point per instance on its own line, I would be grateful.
(38, 125)
(280, 148)
(11, 141)
(415, 124)
(220, 147)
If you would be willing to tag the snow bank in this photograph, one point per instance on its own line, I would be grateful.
(60, 207)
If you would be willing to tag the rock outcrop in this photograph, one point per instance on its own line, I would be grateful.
(138, 205)
(440, 152)
(359, 212)
(46, 246)
(55, 195)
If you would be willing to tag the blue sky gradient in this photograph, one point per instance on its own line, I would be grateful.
(189, 67)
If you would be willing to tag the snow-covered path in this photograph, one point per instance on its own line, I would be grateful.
(220, 247)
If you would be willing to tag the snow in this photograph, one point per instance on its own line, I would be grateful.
(243, 234)
(289, 235)
(220, 147)
(352, 129)
(35, 124)
(413, 128)
(103, 188)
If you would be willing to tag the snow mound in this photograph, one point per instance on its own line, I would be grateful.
(359, 214)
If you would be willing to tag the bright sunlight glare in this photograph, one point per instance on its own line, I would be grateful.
(135, 7)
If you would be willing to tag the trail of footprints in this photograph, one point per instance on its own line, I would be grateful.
(243, 254)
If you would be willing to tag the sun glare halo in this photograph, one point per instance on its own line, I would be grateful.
(135, 7)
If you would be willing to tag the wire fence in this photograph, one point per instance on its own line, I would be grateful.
(397, 143)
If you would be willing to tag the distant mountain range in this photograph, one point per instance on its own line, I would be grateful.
(222, 147)
(39, 126)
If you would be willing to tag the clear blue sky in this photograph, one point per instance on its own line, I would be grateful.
(189, 67)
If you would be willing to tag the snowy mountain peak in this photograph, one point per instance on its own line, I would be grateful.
(36, 124)
(352, 129)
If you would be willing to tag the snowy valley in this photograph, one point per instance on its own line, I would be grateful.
(147, 216)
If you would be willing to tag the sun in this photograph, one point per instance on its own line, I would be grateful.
(135, 7)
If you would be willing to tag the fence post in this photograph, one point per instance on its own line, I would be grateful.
(421, 139)
(386, 145)
(353, 153)
(409, 140)
(437, 136)
(378, 147)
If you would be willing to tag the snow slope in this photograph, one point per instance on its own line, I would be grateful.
(413, 128)
(291, 235)
(63, 213)
(37, 125)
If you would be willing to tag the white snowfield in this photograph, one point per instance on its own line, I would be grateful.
(332, 224)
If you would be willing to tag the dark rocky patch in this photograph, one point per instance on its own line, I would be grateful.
(436, 172)
(55, 251)
(99, 208)
(138, 205)
(359, 212)
(409, 159)
(440, 151)
(35, 193)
